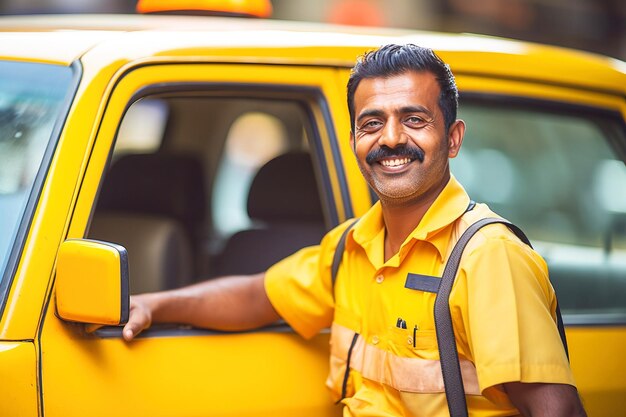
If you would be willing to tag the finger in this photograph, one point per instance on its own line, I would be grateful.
(128, 333)
(132, 328)
(139, 319)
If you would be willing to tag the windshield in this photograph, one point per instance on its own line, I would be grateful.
(32, 99)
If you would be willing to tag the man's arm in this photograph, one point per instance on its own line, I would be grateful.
(230, 303)
(549, 400)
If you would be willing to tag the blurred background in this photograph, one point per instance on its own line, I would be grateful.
(591, 25)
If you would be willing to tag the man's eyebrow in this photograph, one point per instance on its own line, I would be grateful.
(369, 113)
(414, 109)
(403, 110)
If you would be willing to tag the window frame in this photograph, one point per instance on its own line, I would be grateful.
(305, 97)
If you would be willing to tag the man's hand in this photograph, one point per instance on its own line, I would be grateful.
(549, 400)
(140, 316)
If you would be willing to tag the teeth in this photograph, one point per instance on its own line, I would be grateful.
(395, 162)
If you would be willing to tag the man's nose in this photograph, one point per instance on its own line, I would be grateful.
(392, 135)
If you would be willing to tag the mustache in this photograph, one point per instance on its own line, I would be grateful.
(397, 152)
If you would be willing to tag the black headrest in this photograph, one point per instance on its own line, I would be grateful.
(168, 185)
(285, 189)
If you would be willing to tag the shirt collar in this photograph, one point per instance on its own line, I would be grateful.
(449, 205)
(369, 233)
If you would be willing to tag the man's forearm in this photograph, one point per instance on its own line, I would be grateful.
(229, 303)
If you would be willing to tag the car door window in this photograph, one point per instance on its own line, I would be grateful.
(560, 175)
(179, 185)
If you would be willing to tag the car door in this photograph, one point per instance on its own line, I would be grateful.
(165, 111)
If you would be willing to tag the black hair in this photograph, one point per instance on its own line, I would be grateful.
(391, 60)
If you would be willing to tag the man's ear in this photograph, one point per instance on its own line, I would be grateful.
(352, 142)
(455, 138)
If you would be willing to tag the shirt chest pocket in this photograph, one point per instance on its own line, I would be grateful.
(413, 343)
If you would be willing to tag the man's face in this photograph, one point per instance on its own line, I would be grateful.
(400, 140)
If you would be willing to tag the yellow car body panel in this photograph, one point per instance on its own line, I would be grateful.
(601, 396)
(231, 375)
(189, 372)
(19, 388)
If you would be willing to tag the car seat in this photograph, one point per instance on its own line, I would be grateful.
(285, 204)
(154, 206)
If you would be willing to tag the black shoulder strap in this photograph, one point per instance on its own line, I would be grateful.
(449, 358)
(341, 246)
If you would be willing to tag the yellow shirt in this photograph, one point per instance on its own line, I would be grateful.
(502, 304)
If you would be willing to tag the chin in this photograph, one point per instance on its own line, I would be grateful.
(398, 199)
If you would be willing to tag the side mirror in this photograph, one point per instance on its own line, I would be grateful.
(92, 282)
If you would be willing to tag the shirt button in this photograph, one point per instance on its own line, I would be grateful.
(380, 279)
(409, 340)
(375, 340)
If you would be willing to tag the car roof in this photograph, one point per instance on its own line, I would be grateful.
(63, 39)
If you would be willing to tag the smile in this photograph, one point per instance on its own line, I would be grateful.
(395, 162)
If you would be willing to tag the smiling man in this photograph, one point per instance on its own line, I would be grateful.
(384, 354)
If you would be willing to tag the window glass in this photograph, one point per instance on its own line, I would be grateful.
(557, 176)
(253, 140)
(143, 127)
(178, 185)
(32, 98)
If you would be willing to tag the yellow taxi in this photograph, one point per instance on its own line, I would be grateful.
(140, 153)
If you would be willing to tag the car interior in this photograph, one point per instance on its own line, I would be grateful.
(215, 186)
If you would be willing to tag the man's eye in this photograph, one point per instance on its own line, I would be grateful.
(371, 124)
(414, 120)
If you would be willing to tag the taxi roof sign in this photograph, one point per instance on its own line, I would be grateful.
(251, 8)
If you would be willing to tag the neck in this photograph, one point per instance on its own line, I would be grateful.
(401, 219)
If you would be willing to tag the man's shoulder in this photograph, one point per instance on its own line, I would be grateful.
(365, 226)
(333, 236)
(498, 234)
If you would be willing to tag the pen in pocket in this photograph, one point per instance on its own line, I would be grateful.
(400, 323)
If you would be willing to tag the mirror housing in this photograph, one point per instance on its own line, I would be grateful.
(92, 282)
